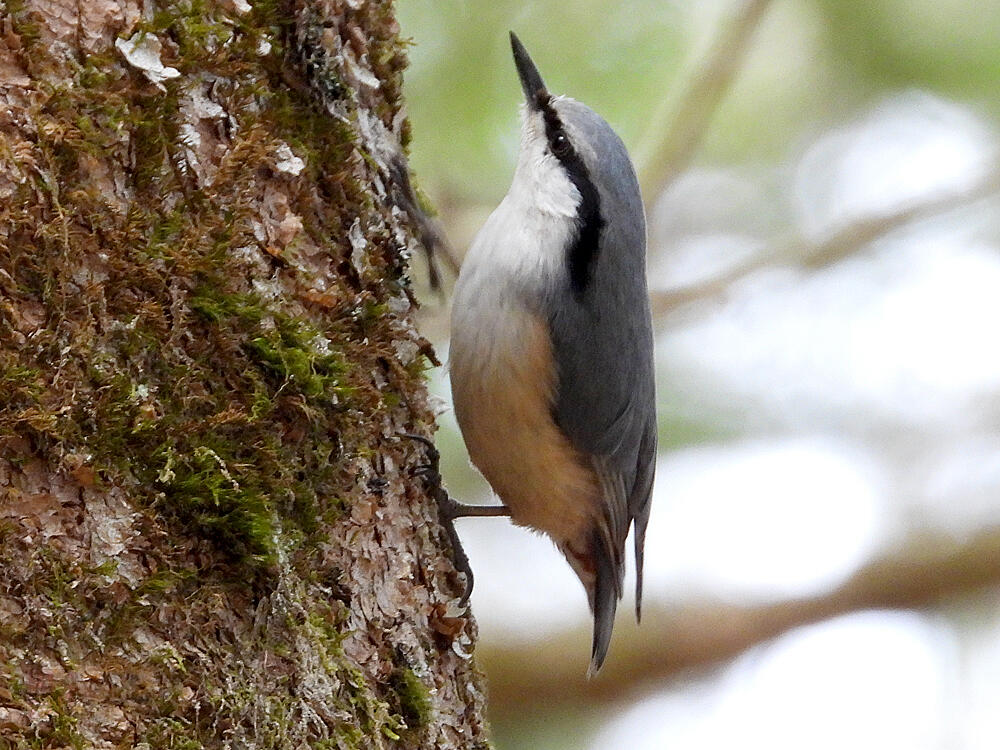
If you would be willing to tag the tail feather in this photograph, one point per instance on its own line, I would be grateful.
(603, 601)
(640, 543)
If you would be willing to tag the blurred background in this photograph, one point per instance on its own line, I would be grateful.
(821, 182)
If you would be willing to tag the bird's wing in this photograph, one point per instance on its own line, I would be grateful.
(605, 405)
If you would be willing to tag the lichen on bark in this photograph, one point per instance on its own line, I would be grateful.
(211, 532)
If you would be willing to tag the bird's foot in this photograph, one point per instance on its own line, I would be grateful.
(449, 510)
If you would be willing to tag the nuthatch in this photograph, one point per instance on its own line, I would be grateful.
(552, 347)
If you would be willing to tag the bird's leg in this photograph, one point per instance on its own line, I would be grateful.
(449, 510)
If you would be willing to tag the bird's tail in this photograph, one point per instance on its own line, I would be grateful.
(601, 571)
(604, 596)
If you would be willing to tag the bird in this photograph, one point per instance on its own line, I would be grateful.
(551, 350)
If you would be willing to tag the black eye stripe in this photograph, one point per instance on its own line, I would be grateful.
(582, 252)
(553, 127)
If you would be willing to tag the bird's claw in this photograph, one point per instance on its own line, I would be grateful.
(448, 511)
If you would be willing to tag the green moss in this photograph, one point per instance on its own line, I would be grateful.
(60, 728)
(23, 24)
(346, 736)
(171, 733)
(20, 385)
(414, 698)
(217, 307)
(202, 492)
(301, 364)
(58, 583)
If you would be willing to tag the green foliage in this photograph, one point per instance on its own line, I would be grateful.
(950, 47)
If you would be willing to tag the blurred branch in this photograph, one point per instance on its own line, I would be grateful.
(684, 126)
(836, 247)
(926, 571)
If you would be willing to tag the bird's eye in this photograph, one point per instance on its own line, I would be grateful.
(560, 144)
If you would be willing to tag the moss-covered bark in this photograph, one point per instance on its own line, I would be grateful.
(210, 532)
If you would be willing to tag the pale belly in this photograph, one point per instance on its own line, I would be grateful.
(502, 380)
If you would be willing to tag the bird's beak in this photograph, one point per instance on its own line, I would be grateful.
(531, 80)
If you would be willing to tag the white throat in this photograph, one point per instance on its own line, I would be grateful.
(539, 179)
(521, 249)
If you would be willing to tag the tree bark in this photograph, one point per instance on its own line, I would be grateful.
(211, 534)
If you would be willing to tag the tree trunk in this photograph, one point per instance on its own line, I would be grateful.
(211, 534)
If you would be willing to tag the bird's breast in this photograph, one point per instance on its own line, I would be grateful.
(503, 380)
(503, 372)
